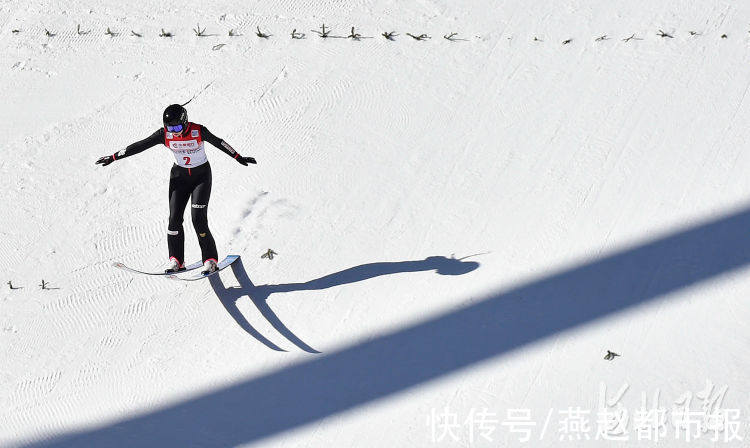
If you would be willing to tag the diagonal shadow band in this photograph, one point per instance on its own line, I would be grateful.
(259, 294)
(304, 393)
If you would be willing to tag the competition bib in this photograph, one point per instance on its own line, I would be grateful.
(188, 149)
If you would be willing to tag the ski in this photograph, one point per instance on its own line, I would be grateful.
(188, 268)
(200, 275)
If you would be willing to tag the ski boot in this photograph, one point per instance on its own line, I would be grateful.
(173, 266)
(209, 266)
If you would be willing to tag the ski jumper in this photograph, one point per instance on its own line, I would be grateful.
(189, 181)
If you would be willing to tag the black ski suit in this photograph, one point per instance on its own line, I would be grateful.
(190, 178)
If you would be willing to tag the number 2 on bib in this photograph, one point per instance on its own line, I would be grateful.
(187, 160)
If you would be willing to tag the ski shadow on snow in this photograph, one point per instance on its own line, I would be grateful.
(451, 343)
(259, 294)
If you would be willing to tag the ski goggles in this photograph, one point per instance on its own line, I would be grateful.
(177, 128)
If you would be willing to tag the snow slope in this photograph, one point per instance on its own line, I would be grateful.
(464, 228)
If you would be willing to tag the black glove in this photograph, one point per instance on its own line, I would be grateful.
(106, 160)
(245, 160)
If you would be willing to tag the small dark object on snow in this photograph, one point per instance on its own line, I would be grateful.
(632, 37)
(323, 33)
(663, 34)
(389, 35)
(200, 32)
(452, 37)
(269, 254)
(354, 35)
(420, 37)
(610, 355)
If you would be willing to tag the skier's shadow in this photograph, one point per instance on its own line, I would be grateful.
(259, 294)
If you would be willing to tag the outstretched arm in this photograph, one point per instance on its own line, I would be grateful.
(139, 146)
(225, 147)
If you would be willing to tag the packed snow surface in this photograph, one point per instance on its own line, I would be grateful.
(464, 221)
